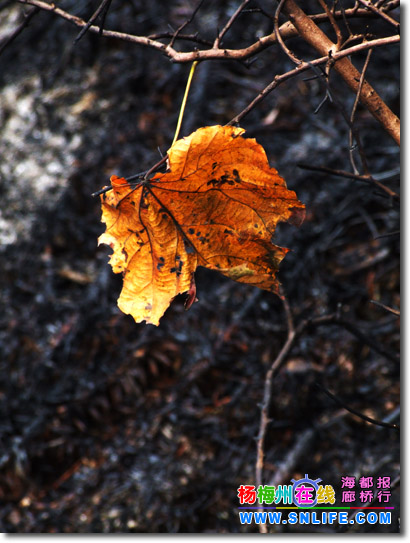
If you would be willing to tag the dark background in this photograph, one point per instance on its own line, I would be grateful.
(111, 426)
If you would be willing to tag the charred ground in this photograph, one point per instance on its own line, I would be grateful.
(109, 426)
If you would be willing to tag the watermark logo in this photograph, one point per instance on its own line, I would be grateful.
(309, 501)
(304, 492)
(367, 489)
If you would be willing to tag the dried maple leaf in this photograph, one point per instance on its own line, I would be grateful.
(217, 206)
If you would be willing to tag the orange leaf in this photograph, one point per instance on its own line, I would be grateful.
(217, 206)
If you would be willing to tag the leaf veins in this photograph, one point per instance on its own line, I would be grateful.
(217, 206)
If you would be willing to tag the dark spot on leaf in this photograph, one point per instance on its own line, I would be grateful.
(236, 176)
(188, 247)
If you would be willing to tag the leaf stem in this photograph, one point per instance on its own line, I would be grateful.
(184, 100)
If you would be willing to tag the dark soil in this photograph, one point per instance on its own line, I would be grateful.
(111, 426)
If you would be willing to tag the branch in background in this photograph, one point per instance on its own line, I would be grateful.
(187, 37)
(341, 173)
(306, 28)
(279, 38)
(335, 26)
(102, 9)
(185, 24)
(354, 330)
(386, 307)
(308, 65)
(381, 13)
(267, 394)
(229, 24)
(315, 37)
(27, 18)
(287, 30)
(293, 335)
(352, 116)
(355, 412)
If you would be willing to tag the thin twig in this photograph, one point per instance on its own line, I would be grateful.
(103, 17)
(185, 24)
(286, 49)
(381, 13)
(341, 173)
(370, 341)
(352, 115)
(188, 37)
(27, 18)
(102, 8)
(287, 30)
(316, 38)
(308, 65)
(307, 29)
(333, 23)
(286, 306)
(155, 167)
(229, 24)
(267, 393)
(142, 176)
(395, 233)
(293, 334)
(355, 412)
(386, 307)
(302, 446)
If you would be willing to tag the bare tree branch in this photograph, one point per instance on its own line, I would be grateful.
(356, 412)
(102, 8)
(313, 35)
(185, 24)
(27, 18)
(306, 28)
(341, 173)
(287, 30)
(333, 23)
(352, 116)
(381, 13)
(230, 23)
(292, 336)
(308, 65)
